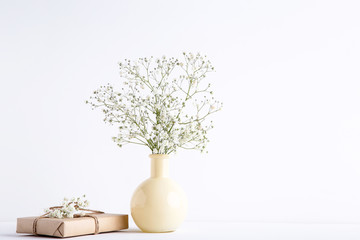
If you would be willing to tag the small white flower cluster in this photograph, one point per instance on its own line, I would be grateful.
(163, 104)
(68, 208)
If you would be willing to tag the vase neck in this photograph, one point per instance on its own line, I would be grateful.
(159, 165)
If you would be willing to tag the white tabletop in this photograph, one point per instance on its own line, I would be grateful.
(221, 230)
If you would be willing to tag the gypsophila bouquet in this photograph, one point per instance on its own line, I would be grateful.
(68, 208)
(163, 103)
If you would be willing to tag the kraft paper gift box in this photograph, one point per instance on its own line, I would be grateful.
(69, 227)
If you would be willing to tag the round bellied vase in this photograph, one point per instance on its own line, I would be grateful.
(159, 204)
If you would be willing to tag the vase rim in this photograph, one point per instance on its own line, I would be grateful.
(159, 155)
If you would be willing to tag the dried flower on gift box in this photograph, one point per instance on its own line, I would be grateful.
(163, 103)
(68, 208)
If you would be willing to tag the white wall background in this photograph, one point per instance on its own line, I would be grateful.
(285, 146)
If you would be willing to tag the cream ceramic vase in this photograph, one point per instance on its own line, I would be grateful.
(159, 204)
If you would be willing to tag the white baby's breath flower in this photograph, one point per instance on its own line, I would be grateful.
(68, 209)
(58, 213)
(80, 202)
(71, 208)
(163, 104)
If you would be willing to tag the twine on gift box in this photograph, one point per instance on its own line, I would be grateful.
(75, 216)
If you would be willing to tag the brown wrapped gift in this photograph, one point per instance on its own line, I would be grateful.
(69, 227)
